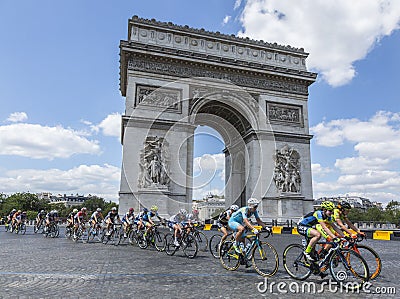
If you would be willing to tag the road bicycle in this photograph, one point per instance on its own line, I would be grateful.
(153, 238)
(346, 266)
(95, 232)
(186, 242)
(263, 255)
(52, 230)
(38, 227)
(200, 237)
(81, 233)
(20, 228)
(214, 243)
(370, 256)
(115, 234)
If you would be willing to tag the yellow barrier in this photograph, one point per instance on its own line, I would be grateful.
(294, 231)
(382, 235)
(207, 226)
(277, 229)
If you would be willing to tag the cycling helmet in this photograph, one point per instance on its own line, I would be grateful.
(24, 212)
(131, 210)
(183, 212)
(98, 210)
(195, 212)
(145, 210)
(113, 208)
(19, 211)
(13, 210)
(75, 210)
(343, 205)
(328, 205)
(234, 207)
(42, 211)
(83, 209)
(154, 208)
(55, 212)
(253, 202)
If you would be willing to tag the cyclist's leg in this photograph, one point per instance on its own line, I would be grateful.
(225, 232)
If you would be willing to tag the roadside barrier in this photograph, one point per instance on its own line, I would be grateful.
(385, 235)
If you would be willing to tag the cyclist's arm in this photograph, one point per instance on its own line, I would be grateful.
(340, 223)
(352, 226)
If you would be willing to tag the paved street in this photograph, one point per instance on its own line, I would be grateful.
(32, 266)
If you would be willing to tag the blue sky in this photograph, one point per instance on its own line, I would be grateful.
(61, 105)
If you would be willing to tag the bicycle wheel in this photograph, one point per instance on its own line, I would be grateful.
(372, 258)
(132, 238)
(348, 269)
(68, 232)
(228, 257)
(215, 240)
(170, 247)
(141, 240)
(91, 234)
(6, 227)
(22, 229)
(159, 241)
(56, 231)
(201, 239)
(189, 246)
(36, 227)
(265, 259)
(295, 262)
(117, 236)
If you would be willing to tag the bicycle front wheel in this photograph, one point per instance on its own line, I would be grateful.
(22, 229)
(372, 258)
(202, 240)
(190, 247)
(215, 240)
(348, 269)
(141, 240)
(159, 241)
(265, 259)
(295, 262)
(228, 256)
(170, 247)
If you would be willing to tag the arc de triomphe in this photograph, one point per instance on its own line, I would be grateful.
(253, 93)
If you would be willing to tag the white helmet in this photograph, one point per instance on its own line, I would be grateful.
(234, 207)
(183, 212)
(252, 202)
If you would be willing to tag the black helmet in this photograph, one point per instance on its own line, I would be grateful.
(343, 205)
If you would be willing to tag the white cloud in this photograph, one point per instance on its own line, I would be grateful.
(17, 117)
(318, 170)
(99, 180)
(377, 138)
(201, 193)
(43, 142)
(209, 162)
(335, 33)
(110, 126)
(374, 168)
(237, 4)
(226, 20)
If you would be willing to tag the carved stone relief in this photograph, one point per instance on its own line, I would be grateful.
(154, 163)
(287, 170)
(286, 114)
(154, 96)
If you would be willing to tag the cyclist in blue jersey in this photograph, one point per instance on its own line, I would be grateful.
(324, 225)
(146, 218)
(240, 219)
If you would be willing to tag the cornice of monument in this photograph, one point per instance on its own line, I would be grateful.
(213, 52)
(216, 35)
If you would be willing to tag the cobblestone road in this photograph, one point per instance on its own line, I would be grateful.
(32, 266)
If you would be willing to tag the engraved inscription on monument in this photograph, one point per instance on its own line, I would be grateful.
(154, 96)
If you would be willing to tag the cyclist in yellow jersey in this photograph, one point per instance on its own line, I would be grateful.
(340, 217)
